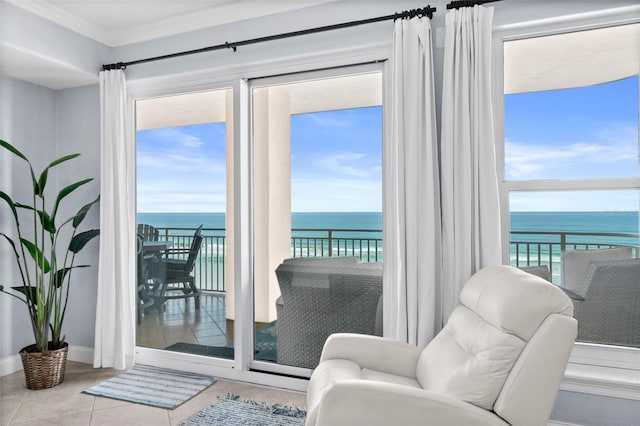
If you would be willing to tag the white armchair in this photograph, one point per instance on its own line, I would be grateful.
(499, 360)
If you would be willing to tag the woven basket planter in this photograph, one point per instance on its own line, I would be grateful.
(43, 370)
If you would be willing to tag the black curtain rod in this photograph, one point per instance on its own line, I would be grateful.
(467, 3)
(421, 12)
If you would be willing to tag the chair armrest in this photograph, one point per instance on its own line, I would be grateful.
(362, 402)
(377, 353)
(572, 295)
(175, 251)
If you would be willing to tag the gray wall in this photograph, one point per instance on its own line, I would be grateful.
(28, 122)
(44, 124)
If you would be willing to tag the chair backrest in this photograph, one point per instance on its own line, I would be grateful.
(505, 347)
(541, 271)
(609, 310)
(574, 263)
(196, 244)
(148, 232)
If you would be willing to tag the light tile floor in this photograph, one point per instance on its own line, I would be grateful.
(180, 322)
(66, 405)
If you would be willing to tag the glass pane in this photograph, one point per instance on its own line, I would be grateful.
(585, 132)
(182, 159)
(318, 214)
(591, 252)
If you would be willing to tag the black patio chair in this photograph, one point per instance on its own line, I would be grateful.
(145, 287)
(148, 232)
(174, 273)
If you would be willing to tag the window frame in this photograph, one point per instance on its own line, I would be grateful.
(593, 368)
(283, 79)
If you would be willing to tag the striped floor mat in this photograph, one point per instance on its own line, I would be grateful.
(153, 386)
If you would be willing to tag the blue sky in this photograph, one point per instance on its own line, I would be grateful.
(182, 169)
(336, 162)
(588, 132)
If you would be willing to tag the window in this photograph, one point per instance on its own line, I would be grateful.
(571, 172)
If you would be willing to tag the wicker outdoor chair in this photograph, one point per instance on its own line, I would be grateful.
(324, 296)
(607, 303)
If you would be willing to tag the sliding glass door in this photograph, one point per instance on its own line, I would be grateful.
(183, 227)
(259, 214)
(317, 213)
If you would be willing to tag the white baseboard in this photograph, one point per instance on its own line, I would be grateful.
(10, 364)
(80, 354)
(13, 363)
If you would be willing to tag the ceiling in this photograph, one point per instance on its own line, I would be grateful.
(119, 22)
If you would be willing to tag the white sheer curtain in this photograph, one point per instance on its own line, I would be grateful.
(470, 204)
(411, 187)
(115, 311)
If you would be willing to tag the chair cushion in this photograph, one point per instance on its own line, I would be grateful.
(512, 300)
(469, 359)
(326, 374)
(330, 371)
(574, 263)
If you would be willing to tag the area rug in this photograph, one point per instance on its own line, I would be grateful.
(232, 410)
(266, 342)
(153, 386)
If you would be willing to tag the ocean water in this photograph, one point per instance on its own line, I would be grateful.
(216, 221)
(360, 234)
(586, 222)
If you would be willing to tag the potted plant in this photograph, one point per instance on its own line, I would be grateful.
(45, 257)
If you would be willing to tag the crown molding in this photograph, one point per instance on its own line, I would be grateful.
(58, 15)
(218, 15)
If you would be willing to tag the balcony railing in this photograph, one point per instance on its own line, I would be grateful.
(209, 267)
(531, 248)
(527, 248)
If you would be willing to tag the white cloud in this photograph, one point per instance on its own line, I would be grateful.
(336, 195)
(328, 120)
(346, 164)
(621, 200)
(602, 155)
(176, 136)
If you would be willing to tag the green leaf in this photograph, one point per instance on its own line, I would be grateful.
(38, 256)
(58, 277)
(47, 222)
(11, 204)
(80, 240)
(42, 182)
(62, 160)
(79, 217)
(6, 145)
(66, 191)
(29, 291)
(13, 245)
(24, 206)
